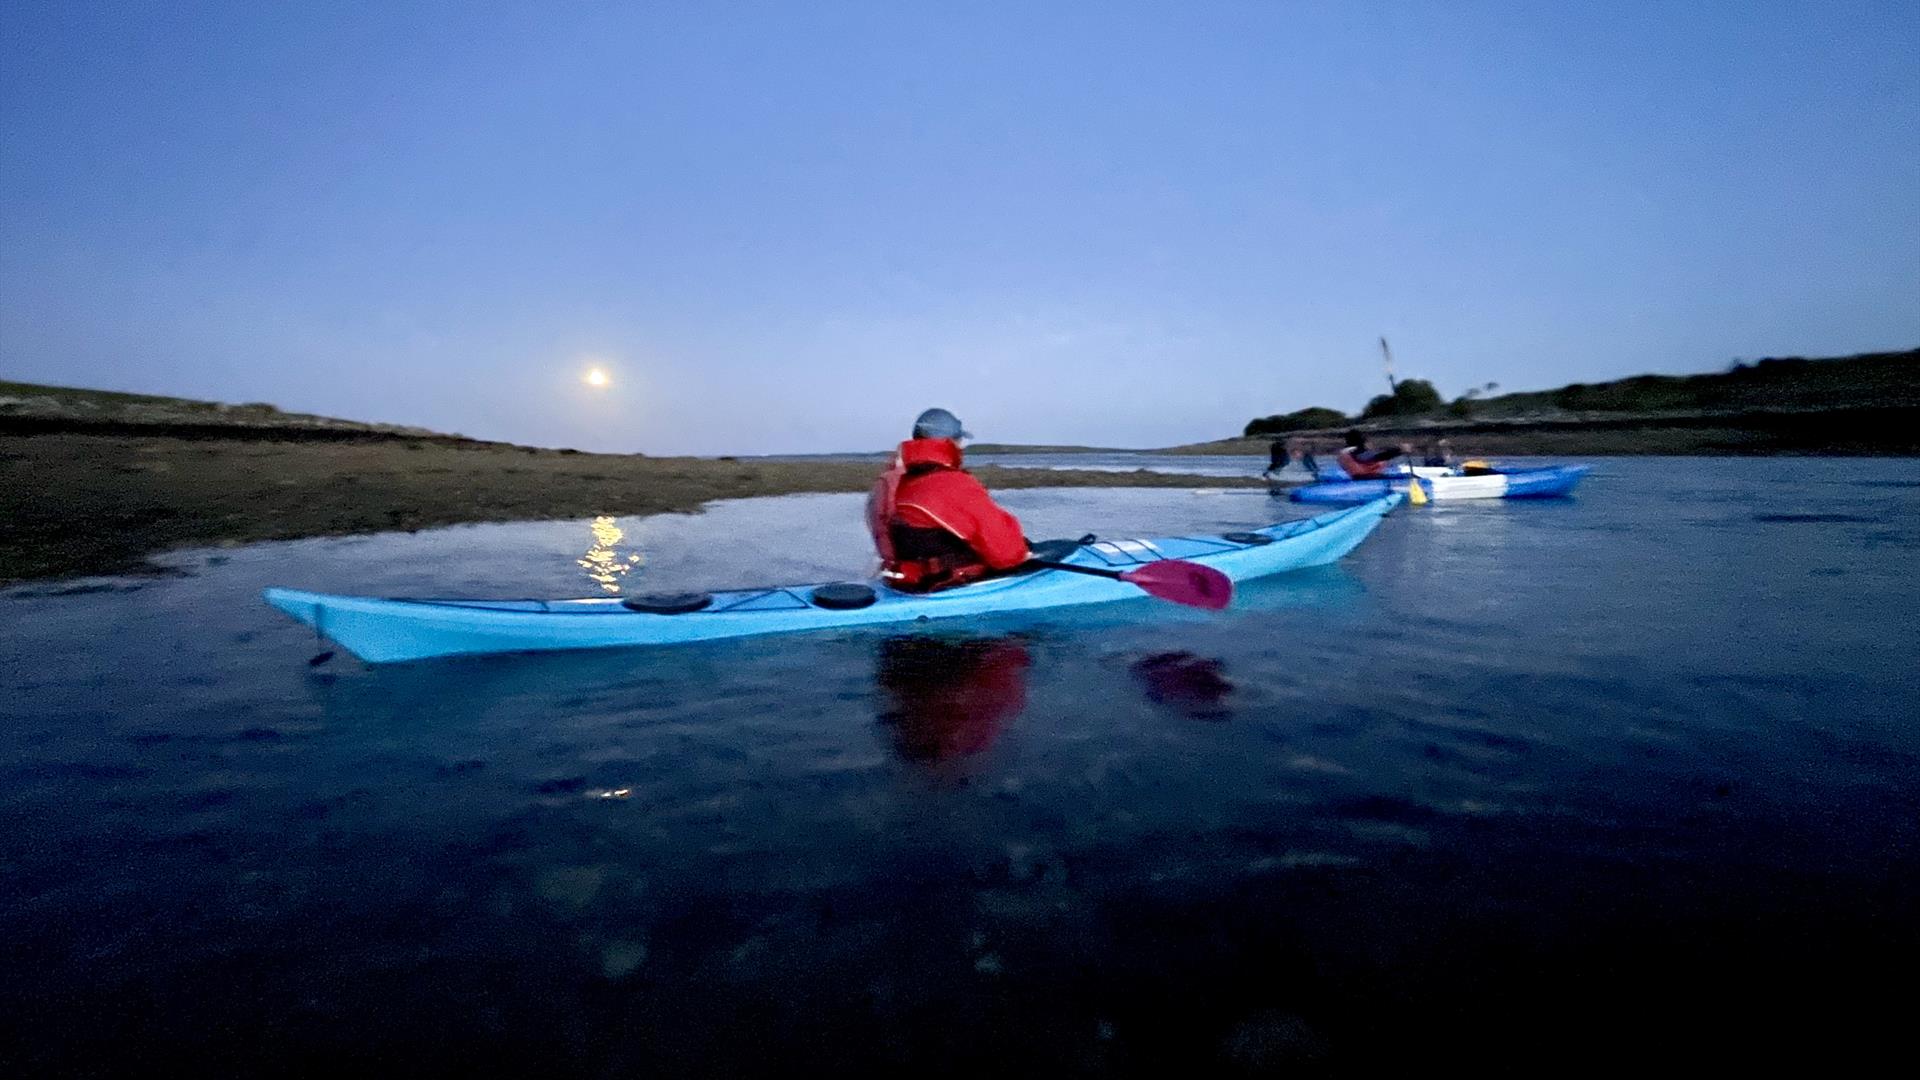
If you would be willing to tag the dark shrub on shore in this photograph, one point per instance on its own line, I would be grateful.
(1410, 397)
(1308, 419)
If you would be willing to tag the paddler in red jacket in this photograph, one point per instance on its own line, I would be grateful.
(934, 525)
(1361, 463)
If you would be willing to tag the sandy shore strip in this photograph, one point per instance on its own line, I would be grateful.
(75, 504)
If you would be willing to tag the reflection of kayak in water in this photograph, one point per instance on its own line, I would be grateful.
(1297, 476)
(1195, 686)
(1442, 484)
(382, 631)
(1292, 475)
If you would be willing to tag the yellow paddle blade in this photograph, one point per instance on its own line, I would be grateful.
(1417, 492)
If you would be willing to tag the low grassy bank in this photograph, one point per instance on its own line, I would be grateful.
(1862, 404)
(90, 503)
(1892, 430)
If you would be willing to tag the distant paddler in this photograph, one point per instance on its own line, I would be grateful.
(1289, 462)
(1440, 456)
(1360, 463)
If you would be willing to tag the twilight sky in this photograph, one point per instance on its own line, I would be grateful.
(788, 227)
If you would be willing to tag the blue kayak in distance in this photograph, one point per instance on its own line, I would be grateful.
(392, 630)
(1550, 482)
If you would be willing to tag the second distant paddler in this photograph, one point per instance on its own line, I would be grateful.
(1361, 463)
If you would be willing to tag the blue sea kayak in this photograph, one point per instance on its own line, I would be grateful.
(1553, 481)
(391, 630)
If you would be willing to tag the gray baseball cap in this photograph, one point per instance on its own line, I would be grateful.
(939, 424)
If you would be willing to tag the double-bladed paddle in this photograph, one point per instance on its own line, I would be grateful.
(1169, 579)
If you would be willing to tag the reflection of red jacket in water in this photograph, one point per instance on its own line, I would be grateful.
(951, 698)
(935, 525)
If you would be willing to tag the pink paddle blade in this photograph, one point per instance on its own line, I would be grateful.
(1184, 583)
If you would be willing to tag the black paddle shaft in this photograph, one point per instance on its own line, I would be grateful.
(1092, 571)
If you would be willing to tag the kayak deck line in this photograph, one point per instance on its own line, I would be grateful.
(385, 630)
(599, 605)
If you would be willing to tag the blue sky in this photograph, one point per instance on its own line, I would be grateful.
(789, 227)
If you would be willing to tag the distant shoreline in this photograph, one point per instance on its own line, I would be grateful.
(1849, 406)
(79, 503)
(1885, 431)
(95, 482)
(1889, 431)
(1892, 431)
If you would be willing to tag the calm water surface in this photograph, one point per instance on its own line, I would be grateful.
(1521, 785)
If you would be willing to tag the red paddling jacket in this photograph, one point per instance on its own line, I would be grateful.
(1358, 467)
(935, 525)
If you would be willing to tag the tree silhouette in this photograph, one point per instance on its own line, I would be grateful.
(1410, 397)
